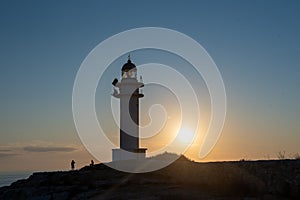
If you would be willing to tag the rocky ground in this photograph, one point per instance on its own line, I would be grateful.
(183, 179)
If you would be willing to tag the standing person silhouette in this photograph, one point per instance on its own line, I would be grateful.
(92, 163)
(72, 164)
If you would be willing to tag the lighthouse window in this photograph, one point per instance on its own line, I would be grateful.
(124, 74)
(132, 73)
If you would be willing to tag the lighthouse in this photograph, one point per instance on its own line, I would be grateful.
(128, 91)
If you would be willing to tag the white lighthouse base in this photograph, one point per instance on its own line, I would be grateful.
(120, 154)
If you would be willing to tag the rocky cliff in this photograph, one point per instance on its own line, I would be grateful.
(183, 179)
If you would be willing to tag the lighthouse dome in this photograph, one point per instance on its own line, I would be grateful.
(128, 66)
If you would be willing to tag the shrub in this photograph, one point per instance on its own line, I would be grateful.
(281, 155)
(297, 156)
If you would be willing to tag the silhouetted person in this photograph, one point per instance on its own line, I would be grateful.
(72, 164)
(92, 163)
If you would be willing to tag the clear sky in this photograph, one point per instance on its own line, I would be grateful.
(255, 44)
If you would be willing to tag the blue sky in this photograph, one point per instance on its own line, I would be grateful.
(255, 44)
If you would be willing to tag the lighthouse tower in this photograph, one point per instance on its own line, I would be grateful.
(127, 90)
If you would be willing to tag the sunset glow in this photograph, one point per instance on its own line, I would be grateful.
(185, 135)
(255, 45)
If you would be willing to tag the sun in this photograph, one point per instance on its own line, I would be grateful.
(185, 135)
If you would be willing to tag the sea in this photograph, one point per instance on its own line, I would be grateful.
(7, 178)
